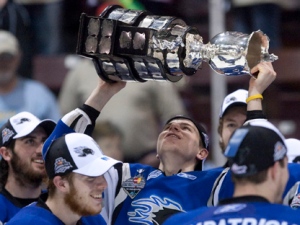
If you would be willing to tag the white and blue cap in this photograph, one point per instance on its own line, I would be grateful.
(22, 124)
(235, 98)
(293, 146)
(255, 147)
(78, 153)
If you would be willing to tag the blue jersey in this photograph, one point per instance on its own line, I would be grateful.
(147, 196)
(36, 215)
(224, 187)
(250, 213)
(9, 205)
(7, 208)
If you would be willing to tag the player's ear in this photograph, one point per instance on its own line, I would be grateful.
(5, 153)
(202, 154)
(61, 183)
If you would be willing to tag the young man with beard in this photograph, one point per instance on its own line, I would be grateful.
(75, 166)
(21, 167)
(257, 157)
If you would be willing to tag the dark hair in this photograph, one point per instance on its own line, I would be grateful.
(255, 178)
(4, 166)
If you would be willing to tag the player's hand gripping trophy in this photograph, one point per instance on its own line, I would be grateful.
(133, 45)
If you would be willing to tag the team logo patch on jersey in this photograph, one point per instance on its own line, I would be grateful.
(296, 202)
(134, 185)
(61, 165)
(6, 135)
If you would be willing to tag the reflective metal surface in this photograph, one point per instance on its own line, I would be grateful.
(131, 45)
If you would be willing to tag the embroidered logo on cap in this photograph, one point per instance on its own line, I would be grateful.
(22, 120)
(238, 169)
(61, 165)
(279, 151)
(231, 99)
(84, 151)
(6, 135)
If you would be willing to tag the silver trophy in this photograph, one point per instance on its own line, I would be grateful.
(133, 45)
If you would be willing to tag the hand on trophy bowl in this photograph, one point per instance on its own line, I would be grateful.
(133, 45)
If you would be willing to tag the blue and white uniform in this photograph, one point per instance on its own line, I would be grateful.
(223, 187)
(38, 213)
(9, 205)
(242, 210)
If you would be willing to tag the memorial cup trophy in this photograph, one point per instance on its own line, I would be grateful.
(133, 45)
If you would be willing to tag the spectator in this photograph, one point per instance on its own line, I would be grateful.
(75, 166)
(138, 110)
(21, 167)
(19, 94)
(15, 19)
(250, 15)
(109, 137)
(46, 25)
(258, 164)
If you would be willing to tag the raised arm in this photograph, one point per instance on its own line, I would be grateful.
(266, 75)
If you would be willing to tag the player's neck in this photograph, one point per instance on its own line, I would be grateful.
(22, 190)
(257, 190)
(174, 165)
(59, 209)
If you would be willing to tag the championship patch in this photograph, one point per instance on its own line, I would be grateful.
(296, 202)
(134, 185)
(6, 135)
(61, 165)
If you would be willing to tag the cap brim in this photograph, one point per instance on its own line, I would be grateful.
(47, 124)
(97, 167)
(237, 103)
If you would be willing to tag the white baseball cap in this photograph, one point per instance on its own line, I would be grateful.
(78, 153)
(23, 124)
(8, 43)
(293, 146)
(237, 97)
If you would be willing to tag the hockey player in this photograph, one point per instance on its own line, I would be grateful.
(258, 164)
(75, 166)
(22, 168)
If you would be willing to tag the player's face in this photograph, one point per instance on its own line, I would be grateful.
(233, 119)
(181, 137)
(85, 194)
(283, 178)
(27, 163)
